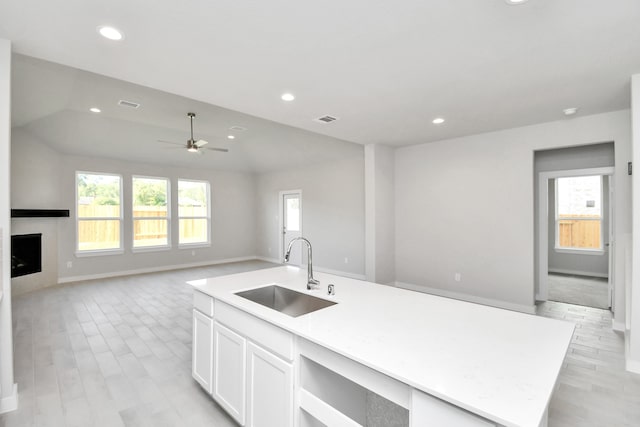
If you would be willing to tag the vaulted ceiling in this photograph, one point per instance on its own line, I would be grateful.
(385, 69)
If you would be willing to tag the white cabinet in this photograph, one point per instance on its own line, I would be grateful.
(202, 358)
(270, 389)
(229, 374)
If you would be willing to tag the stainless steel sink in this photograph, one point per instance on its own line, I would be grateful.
(285, 300)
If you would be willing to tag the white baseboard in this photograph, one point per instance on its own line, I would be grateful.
(266, 259)
(10, 403)
(578, 273)
(618, 326)
(633, 366)
(153, 269)
(340, 273)
(468, 298)
(320, 269)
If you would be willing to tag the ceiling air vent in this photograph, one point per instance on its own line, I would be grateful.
(237, 128)
(129, 104)
(325, 119)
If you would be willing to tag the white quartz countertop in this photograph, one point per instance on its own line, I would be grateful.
(499, 364)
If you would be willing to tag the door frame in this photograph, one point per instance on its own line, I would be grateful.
(281, 195)
(542, 288)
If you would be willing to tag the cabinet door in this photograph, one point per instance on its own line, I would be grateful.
(202, 359)
(229, 371)
(270, 389)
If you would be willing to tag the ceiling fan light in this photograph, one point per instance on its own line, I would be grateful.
(193, 149)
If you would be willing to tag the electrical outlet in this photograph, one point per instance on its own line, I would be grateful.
(346, 260)
(193, 253)
(69, 264)
(457, 277)
(269, 249)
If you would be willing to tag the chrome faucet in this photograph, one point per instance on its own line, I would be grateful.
(311, 282)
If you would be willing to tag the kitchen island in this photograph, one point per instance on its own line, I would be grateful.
(445, 362)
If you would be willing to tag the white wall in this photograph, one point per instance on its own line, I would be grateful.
(37, 184)
(332, 212)
(633, 350)
(380, 213)
(8, 390)
(35, 173)
(466, 205)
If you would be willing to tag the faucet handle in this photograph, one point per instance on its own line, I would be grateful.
(312, 284)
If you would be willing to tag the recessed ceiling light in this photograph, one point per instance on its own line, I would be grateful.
(95, 110)
(515, 1)
(438, 121)
(570, 111)
(287, 97)
(110, 33)
(231, 137)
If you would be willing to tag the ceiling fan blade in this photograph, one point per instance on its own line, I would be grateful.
(224, 150)
(171, 142)
(201, 142)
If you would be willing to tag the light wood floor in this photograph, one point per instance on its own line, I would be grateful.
(593, 388)
(117, 352)
(579, 290)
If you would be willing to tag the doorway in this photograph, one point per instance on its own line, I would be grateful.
(290, 225)
(575, 224)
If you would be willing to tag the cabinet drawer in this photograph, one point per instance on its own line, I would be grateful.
(271, 337)
(203, 303)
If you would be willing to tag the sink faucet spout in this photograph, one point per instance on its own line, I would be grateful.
(311, 282)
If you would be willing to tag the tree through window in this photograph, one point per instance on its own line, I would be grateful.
(193, 212)
(99, 213)
(150, 212)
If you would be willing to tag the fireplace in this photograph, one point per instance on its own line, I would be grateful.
(26, 254)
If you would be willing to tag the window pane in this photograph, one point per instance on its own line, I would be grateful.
(579, 212)
(150, 232)
(193, 230)
(98, 234)
(293, 214)
(579, 197)
(98, 195)
(149, 197)
(192, 198)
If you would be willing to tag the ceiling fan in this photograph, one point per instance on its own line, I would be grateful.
(192, 145)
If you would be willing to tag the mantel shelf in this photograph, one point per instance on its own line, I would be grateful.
(39, 213)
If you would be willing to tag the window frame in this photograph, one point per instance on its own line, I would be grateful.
(99, 252)
(573, 250)
(208, 216)
(153, 248)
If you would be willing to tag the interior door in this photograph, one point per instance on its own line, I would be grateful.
(292, 225)
(611, 246)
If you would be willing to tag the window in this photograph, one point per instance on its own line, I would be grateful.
(99, 212)
(193, 212)
(579, 213)
(150, 212)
